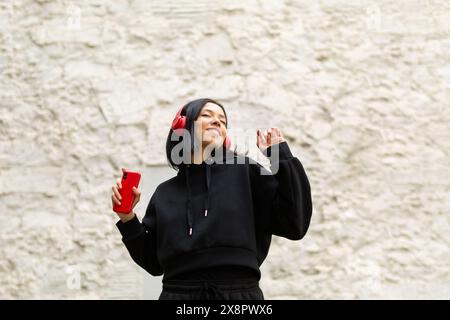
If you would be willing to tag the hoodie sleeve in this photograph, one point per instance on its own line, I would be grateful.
(282, 199)
(140, 240)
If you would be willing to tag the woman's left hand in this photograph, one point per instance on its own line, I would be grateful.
(268, 138)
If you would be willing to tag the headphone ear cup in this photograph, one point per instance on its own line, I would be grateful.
(179, 123)
(227, 142)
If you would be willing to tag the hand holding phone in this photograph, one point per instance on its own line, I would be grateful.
(126, 193)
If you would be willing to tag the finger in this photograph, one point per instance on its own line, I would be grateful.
(258, 137)
(269, 136)
(136, 200)
(278, 131)
(115, 200)
(119, 183)
(116, 193)
(280, 135)
(137, 196)
(260, 141)
(275, 135)
(264, 137)
(136, 191)
(275, 131)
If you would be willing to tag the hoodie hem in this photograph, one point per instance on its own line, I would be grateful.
(211, 257)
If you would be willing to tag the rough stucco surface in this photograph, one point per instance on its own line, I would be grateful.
(360, 90)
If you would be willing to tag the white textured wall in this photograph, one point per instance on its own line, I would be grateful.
(361, 90)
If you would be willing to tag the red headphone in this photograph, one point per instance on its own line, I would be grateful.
(179, 123)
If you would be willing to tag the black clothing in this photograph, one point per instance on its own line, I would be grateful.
(212, 215)
(211, 290)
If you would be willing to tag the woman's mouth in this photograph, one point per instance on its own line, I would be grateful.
(214, 130)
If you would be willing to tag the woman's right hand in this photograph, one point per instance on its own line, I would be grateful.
(116, 197)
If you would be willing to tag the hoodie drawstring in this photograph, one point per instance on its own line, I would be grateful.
(208, 162)
(189, 213)
(207, 201)
(208, 183)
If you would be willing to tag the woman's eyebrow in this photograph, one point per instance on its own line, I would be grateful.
(220, 115)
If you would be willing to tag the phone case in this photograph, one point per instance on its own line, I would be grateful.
(130, 179)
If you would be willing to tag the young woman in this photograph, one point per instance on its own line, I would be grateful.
(208, 229)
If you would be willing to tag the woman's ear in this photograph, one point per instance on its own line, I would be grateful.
(227, 142)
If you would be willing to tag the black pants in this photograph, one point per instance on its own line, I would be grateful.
(211, 290)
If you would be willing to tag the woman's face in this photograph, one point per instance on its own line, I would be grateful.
(211, 125)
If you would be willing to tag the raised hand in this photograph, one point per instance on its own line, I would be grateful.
(268, 138)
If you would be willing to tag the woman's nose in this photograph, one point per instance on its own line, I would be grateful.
(215, 121)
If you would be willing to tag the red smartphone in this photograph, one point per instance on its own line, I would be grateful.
(130, 179)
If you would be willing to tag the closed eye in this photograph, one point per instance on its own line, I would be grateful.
(207, 115)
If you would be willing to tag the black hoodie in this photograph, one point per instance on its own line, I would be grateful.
(220, 214)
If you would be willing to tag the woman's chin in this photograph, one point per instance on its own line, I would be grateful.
(213, 143)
